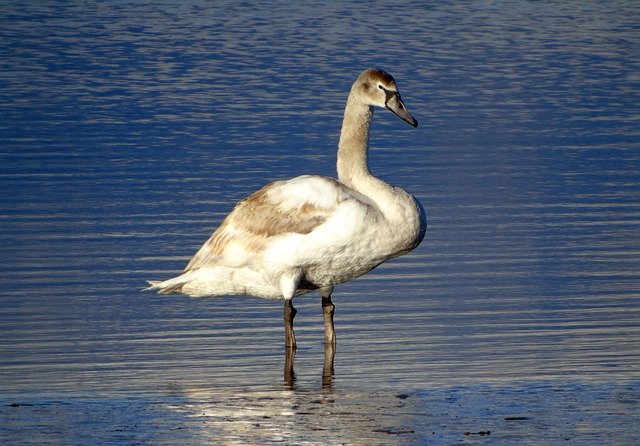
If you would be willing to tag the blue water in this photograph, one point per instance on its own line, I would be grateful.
(129, 129)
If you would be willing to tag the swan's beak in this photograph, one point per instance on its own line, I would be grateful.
(394, 103)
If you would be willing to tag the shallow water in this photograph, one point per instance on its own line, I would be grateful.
(128, 131)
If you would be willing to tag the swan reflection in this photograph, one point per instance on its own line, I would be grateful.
(327, 367)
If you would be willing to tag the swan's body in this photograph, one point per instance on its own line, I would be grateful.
(312, 232)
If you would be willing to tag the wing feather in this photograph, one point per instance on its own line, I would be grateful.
(295, 206)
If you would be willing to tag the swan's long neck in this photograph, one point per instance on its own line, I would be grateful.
(399, 208)
(353, 148)
(353, 163)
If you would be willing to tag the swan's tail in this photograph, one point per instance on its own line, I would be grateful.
(217, 281)
(169, 286)
(162, 288)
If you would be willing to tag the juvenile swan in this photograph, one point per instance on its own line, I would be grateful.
(312, 232)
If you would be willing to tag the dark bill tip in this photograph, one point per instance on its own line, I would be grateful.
(394, 104)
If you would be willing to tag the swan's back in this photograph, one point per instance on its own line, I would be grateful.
(289, 207)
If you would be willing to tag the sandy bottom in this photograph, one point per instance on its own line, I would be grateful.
(539, 413)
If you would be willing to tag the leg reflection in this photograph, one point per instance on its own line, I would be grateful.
(289, 374)
(327, 369)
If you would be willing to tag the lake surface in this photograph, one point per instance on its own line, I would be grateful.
(128, 130)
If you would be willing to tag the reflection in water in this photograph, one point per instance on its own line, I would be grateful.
(525, 414)
(289, 373)
(542, 413)
(327, 367)
(296, 416)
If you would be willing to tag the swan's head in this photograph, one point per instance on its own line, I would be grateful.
(378, 88)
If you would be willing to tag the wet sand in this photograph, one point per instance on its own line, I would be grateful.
(533, 413)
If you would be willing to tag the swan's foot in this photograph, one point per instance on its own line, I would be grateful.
(289, 315)
(328, 309)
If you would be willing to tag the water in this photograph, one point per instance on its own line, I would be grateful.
(128, 131)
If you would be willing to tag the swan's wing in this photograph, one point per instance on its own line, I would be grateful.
(294, 206)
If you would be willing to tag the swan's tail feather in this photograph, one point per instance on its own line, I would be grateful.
(158, 285)
(170, 286)
(218, 281)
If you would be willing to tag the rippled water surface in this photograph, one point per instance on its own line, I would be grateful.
(129, 129)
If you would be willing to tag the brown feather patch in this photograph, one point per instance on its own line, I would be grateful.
(252, 222)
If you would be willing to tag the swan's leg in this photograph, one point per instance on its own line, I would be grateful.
(328, 309)
(289, 314)
(288, 285)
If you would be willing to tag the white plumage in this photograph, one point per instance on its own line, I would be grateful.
(312, 232)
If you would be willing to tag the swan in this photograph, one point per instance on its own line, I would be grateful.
(312, 232)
